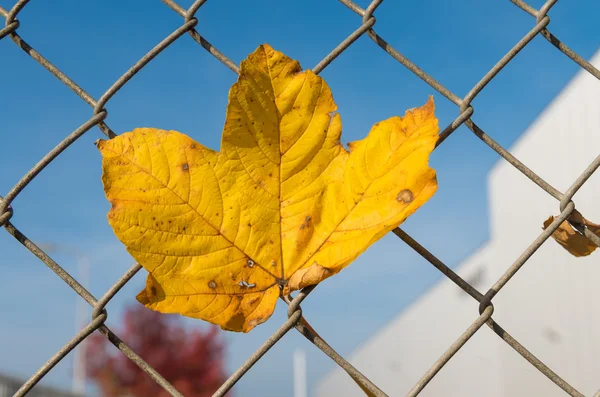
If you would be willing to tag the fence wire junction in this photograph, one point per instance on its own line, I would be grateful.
(295, 317)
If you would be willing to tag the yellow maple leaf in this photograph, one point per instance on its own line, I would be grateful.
(282, 206)
(570, 239)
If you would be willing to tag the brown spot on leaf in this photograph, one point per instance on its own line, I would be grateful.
(405, 196)
(212, 284)
(185, 166)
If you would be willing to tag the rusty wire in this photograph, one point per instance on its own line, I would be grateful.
(295, 316)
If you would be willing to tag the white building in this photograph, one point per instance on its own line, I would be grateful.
(551, 306)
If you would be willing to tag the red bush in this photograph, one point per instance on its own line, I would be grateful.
(192, 361)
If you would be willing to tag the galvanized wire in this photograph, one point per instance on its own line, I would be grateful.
(295, 316)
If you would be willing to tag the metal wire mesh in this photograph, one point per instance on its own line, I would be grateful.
(295, 318)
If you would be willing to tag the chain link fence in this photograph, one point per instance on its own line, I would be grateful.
(540, 21)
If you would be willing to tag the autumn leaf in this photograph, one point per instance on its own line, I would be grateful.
(570, 239)
(282, 206)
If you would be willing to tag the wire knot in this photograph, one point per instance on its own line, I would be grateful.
(487, 302)
(6, 215)
(9, 28)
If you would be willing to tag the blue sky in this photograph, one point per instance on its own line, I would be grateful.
(185, 89)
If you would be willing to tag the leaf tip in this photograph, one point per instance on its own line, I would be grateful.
(99, 143)
(250, 325)
(430, 101)
(150, 294)
(311, 275)
(426, 111)
(265, 47)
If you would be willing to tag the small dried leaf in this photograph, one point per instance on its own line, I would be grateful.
(571, 240)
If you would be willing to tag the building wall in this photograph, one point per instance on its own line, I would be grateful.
(397, 357)
(550, 305)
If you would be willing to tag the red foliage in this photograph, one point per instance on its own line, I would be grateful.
(192, 361)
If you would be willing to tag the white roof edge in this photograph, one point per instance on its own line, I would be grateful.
(500, 163)
(464, 265)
